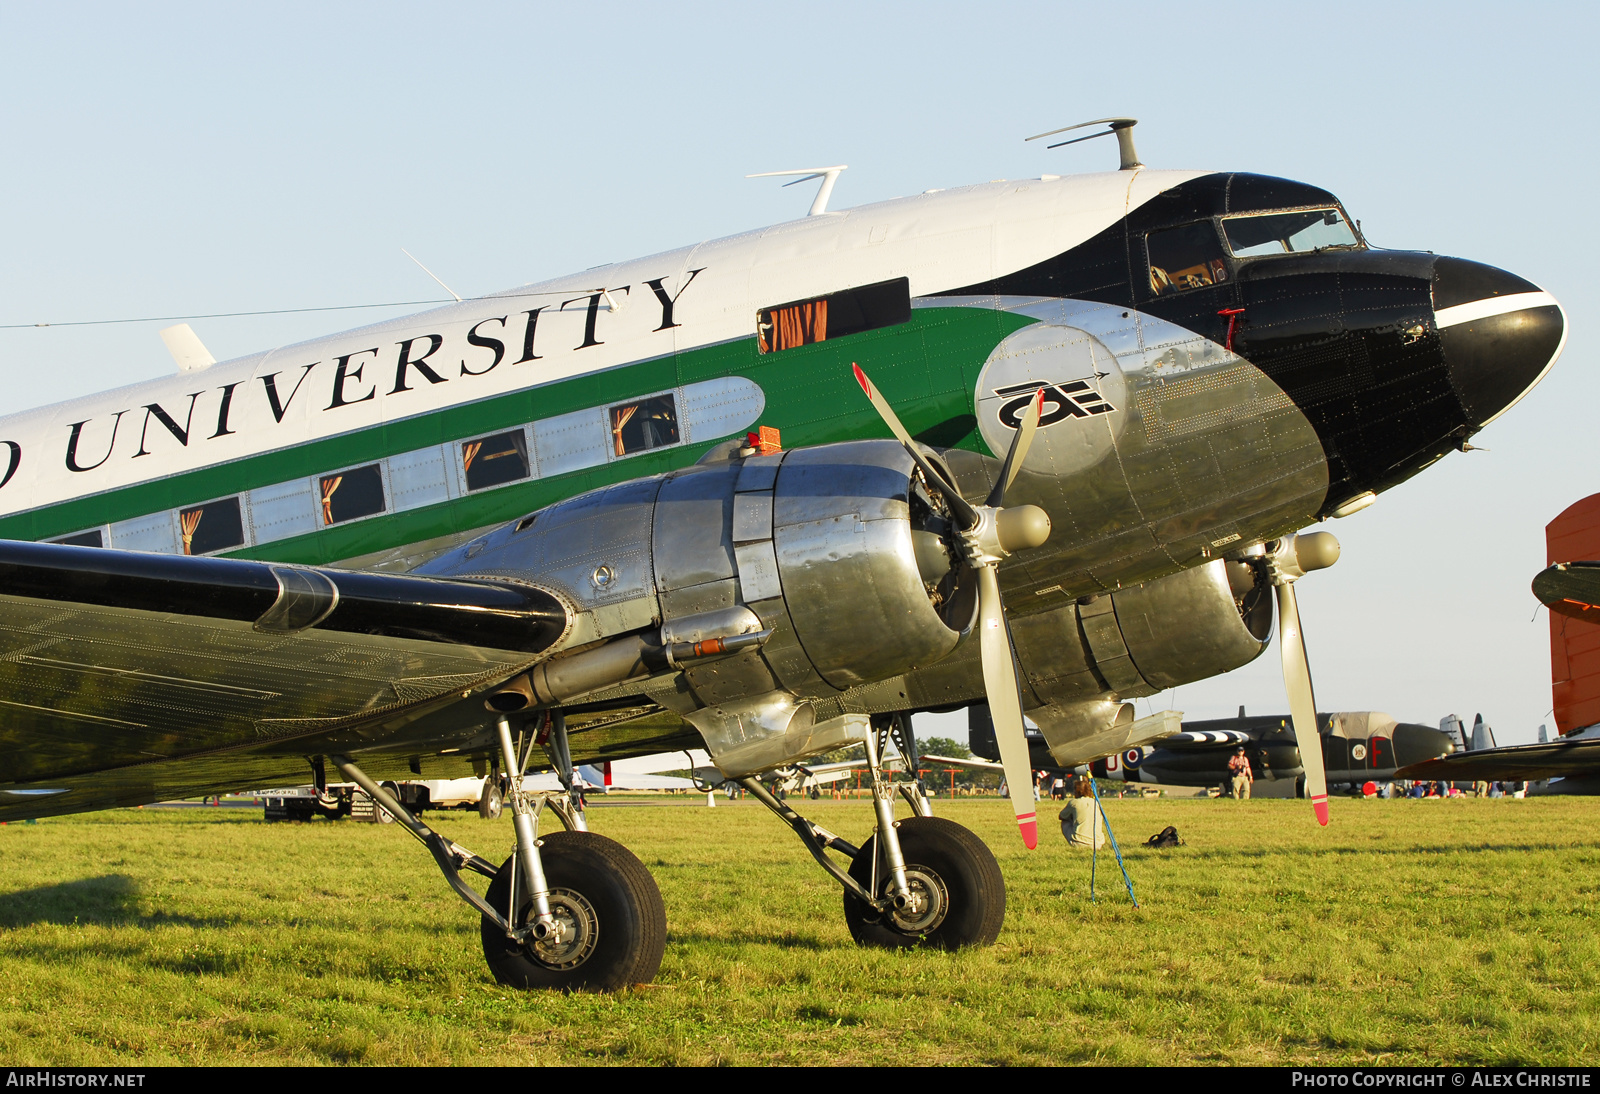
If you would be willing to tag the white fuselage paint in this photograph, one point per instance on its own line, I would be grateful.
(355, 380)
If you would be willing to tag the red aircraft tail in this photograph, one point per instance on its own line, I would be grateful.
(1574, 536)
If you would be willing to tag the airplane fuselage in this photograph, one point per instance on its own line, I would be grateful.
(1225, 360)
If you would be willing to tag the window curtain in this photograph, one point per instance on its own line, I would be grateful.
(329, 486)
(619, 418)
(190, 521)
(801, 324)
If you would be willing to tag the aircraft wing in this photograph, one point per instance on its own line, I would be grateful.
(971, 764)
(129, 678)
(1571, 588)
(1554, 760)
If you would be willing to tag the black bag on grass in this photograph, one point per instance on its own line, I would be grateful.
(1167, 837)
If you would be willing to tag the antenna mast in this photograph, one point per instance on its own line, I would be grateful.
(824, 192)
(1122, 127)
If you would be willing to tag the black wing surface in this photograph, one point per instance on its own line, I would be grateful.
(1571, 588)
(1526, 763)
(127, 678)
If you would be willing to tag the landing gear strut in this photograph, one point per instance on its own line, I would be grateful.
(921, 881)
(572, 911)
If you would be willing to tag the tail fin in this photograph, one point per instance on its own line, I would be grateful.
(1574, 536)
(1482, 735)
(980, 732)
(1544, 735)
(1451, 727)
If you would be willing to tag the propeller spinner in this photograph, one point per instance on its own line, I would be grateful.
(989, 533)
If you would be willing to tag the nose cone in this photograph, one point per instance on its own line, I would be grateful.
(1500, 334)
(1414, 743)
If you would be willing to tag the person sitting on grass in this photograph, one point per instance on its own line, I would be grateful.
(1082, 823)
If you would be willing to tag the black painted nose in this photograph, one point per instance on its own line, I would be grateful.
(1414, 743)
(1499, 333)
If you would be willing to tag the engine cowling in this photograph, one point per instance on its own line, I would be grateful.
(840, 550)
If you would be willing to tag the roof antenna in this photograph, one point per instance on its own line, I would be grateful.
(186, 348)
(1122, 127)
(431, 274)
(824, 192)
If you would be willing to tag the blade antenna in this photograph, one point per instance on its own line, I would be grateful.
(1122, 127)
(828, 175)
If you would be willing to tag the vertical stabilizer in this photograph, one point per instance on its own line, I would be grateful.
(1544, 735)
(1574, 536)
(1482, 735)
(1451, 727)
(980, 732)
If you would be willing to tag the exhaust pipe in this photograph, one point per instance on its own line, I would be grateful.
(551, 683)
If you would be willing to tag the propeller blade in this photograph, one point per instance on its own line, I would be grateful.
(1302, 704)
(1019, 449)
(1005, 703)
(963, 510)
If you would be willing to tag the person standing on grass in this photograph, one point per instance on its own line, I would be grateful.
(1082, 823)
(1239, 769)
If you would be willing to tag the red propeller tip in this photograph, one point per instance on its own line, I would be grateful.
(1320, 805)
(1028, 825)
(861, 378)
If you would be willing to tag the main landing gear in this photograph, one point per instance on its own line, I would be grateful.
(573, 911)
(921, 881)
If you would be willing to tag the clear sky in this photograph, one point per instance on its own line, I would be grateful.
(165, 159)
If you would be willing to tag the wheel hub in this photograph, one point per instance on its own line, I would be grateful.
(927, 905)
(574, 934)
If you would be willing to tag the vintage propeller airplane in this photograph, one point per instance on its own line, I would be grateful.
(1356, 746)
(660, 505)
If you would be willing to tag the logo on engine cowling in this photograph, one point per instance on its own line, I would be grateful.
(1073, 399)
(1085, 392)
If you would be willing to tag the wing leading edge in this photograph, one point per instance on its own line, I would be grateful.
(127, 678)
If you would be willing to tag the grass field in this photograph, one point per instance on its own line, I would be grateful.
(1408, 932)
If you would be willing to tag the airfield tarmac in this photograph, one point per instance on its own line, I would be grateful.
(1407, 932)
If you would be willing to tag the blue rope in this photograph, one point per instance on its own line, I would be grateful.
(1125, 878)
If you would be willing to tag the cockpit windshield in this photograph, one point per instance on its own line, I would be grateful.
(1288, 233)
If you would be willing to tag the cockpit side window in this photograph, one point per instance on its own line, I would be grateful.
(1288, 233)
(1186, 257)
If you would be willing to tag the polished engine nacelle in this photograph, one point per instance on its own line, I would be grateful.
(840, 551)
(1082, 660)
(1138, 641)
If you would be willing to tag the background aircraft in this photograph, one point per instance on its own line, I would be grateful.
(1356, 746)
(1570, 587)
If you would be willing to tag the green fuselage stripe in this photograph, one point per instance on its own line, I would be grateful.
(926, 367)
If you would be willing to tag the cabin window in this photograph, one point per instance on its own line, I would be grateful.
(649, 423)
(1288, 233)
(491, 461)
(357, 492)
(92, 538)
(214, 526)
(1183, 258)
(852, 311)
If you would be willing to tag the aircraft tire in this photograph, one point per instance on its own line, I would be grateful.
(489, 802)
(607, 899)
(949, 858)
